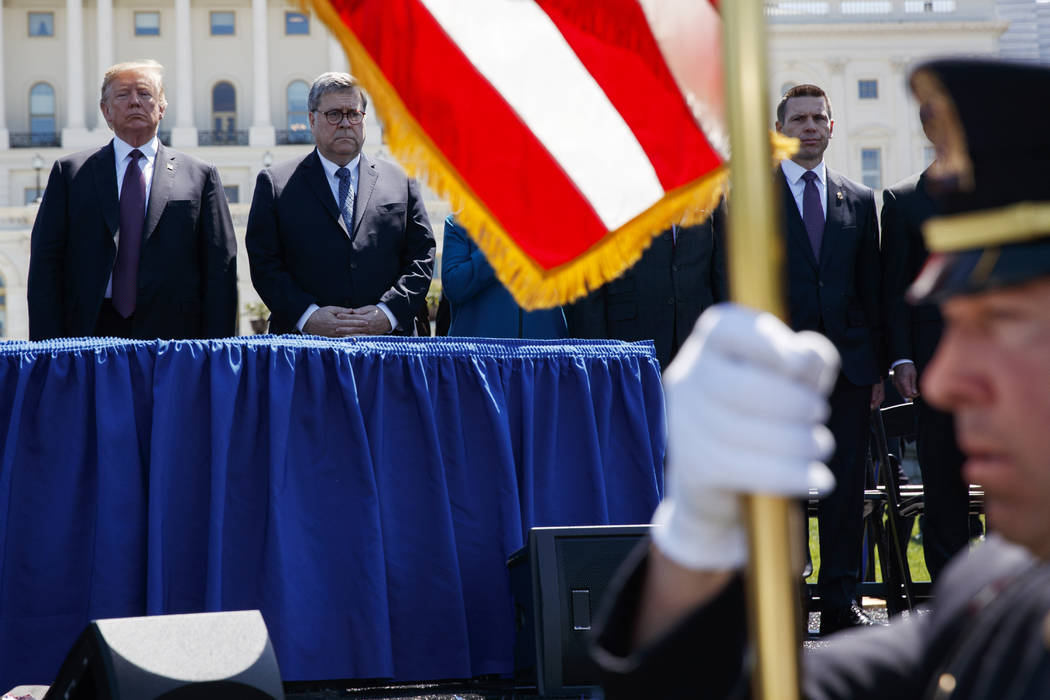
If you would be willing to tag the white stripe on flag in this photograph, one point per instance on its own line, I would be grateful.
(514, 44)
(689, 34)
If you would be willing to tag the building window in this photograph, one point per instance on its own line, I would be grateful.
(871, 167)
(41, 114)
(298, 122)
(868, 89)
(224, 111)
(3, 308)
(41, 24)
(233, 193)
(296, 23)
(31, 194)
(222, 23)
(147, 24)
(929, 154)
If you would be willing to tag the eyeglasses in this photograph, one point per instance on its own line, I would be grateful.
(335, 117)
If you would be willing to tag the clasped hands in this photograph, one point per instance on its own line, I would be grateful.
(341, 322)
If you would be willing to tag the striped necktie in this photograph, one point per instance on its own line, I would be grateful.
(346, 198)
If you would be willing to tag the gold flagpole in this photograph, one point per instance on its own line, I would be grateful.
(755, 257)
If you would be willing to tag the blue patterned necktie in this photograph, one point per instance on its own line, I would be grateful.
(132, 218)
(812, 211)
(346, 198)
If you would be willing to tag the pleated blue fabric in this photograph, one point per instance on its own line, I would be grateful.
(363, 494)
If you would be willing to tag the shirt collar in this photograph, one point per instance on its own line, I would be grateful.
(122, 148)
(794, 172)
(330, 167)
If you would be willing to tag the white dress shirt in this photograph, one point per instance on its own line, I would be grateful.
(121, 152)
(794, 172)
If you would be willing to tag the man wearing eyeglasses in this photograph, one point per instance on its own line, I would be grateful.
(339, 243)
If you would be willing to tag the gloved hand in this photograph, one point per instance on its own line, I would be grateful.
(746, 403)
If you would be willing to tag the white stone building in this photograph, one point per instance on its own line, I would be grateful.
(237, 73)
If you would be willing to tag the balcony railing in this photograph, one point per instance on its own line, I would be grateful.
(293, 136)
(26, 139)
(222, 138)
(798, 11)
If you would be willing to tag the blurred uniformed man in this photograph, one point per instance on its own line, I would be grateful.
(745, 407)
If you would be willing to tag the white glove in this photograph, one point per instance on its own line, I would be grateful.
(746, 405)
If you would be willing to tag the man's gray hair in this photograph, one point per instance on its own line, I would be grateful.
(146, 65)
(334, 82)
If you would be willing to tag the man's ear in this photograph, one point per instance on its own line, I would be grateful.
(831, 127)
(778, 126)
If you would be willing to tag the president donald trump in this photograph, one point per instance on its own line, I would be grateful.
(134, 239)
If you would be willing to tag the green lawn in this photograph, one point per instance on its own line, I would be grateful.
(916, 560)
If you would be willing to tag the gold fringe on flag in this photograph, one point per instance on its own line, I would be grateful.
(532, 286)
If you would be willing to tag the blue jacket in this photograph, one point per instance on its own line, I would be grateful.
(481, 306)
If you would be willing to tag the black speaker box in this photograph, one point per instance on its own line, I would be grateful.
(202, 656)
(558, 580)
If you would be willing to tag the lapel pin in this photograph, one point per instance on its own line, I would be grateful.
(172, 169)
(838, 195)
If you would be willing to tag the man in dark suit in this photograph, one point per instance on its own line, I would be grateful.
(134, 239)
(984, 635)
(681, 273)
(339, 244)
(834, 288)
(912, 333)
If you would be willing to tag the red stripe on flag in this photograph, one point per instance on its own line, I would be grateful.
(476, 130)
(618, 49)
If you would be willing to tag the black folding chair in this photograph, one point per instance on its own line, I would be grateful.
(898, 510)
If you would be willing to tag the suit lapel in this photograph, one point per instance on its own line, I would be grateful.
(164, 167)
(923, 203)
(836, 214)
(366, 182)
(796, 229)
(318, 180)
(104, 173)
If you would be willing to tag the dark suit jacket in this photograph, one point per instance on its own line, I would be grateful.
(912, 332)
(299, 254)
(985, 627)
(187, 284)
(660, 297)
(839, 295)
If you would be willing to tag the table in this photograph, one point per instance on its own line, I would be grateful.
(363, 494)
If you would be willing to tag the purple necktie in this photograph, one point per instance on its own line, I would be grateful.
(812, 211)
(132, 217)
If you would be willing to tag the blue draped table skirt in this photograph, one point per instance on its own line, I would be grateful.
(363, 494)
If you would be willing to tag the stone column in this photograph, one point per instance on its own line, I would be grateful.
(336, 56)
(908, 126)
(184, 133)
(104, 18)
(262, 132)
(74, 133)
(5, 140)
(842, 158)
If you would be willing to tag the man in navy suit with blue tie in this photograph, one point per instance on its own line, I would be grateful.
(339, 244)
(834, 287)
